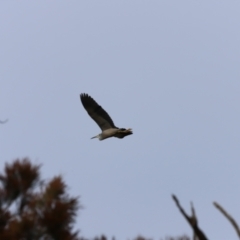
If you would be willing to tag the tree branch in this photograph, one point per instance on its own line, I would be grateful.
(2, 122)
(192, 220)
(229, 217)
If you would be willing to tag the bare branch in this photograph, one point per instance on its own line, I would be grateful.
(229, 217)
(2, 122)
(192, 220)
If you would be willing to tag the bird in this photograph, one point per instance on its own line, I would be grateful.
(103, 120)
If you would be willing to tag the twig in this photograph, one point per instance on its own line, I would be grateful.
(191, 220)
(229, 217)
(2, 122)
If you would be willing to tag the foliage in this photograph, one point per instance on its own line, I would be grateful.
(31, 208)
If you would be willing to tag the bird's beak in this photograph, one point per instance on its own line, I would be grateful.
(94, 137)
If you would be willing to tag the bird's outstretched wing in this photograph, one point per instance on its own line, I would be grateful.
(96, 112)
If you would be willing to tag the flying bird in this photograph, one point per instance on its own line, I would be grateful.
(103, 120)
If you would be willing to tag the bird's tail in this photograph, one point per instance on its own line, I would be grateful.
(95, 137)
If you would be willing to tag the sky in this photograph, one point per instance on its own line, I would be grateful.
(167, 69)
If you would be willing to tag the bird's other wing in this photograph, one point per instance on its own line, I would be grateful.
(96, 112)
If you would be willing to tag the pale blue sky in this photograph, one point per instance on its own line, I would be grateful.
(170, 70)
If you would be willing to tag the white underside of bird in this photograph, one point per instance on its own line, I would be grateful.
(113, 132)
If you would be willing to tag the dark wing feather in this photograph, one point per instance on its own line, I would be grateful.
(96, 112)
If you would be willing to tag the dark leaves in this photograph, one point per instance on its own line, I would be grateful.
(31, 209)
